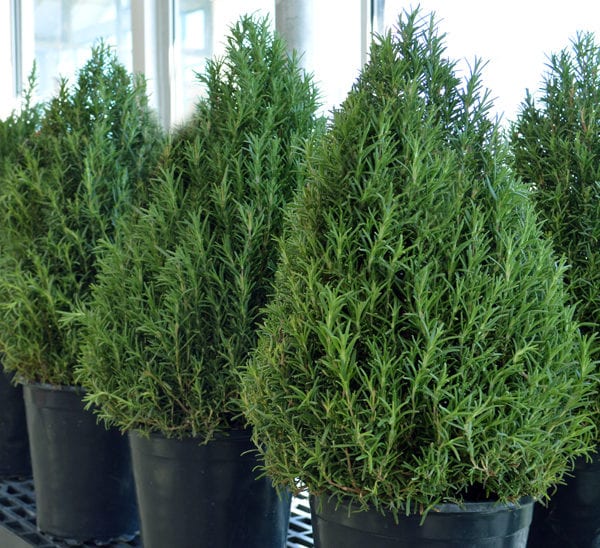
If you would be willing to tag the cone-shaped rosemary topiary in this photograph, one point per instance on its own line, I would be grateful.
(18, 127)
(15, 130)
(556, 146)
(79, 173)
(418, 348)
(174, 312)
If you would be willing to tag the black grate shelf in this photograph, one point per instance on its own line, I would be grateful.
(18, 528)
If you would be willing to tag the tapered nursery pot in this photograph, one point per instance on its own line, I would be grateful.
(473, 525)
(572, 516)
(81, 471)
(192, 494)
(14, 445)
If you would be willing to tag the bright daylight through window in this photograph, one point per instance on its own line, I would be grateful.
(65, 30)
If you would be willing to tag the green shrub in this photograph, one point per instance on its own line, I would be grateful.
(418, 348)
(18, 127)
(556, 146)
(174, 312)
(96, 144)
(15, 131)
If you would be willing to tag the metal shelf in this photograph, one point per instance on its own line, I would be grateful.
(18, 528)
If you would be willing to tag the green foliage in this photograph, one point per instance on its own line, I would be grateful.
(174, 312)
(97, 142)
(17, 128)
(418, 348)
(556, 146)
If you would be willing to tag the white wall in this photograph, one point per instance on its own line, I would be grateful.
(332, 45)
(514, 36)
(337, 54)
(226, 12)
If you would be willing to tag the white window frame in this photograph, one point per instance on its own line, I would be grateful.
(9, 54)
(152, 45)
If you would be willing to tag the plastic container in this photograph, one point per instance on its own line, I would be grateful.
(14, 445)
(81, 471)
(193, 495)
(572, 516)
(474, 525)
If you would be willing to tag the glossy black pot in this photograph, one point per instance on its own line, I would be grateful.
(81, 471)
(14, 445)
(194, 495)
(571, 519)
(472, 525)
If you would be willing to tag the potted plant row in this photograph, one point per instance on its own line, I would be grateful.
(556, 146)
(178, 295)
(15, 130)
(77, 175)
(419, 369)
(401, 341)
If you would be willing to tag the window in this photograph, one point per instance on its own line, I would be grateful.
(169, 42)
(332, 38)
(194, 43)
(65, 30)
(200, 26)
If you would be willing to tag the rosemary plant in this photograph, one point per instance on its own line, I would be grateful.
(17, 128)
(97, 142)
(174, 312)
(418, 348)
(15, 131)
(556, 147)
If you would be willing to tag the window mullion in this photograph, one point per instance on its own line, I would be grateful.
(152, 30)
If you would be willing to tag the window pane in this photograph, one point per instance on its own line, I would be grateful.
(65, 31)
(193, 33)
(200, 30)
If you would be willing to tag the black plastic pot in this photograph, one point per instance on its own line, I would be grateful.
(14, 445)
(193, 495)
(474, 525)
(572, 516)
(81, 471)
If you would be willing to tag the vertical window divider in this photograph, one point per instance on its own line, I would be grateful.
(366, 25)
(16, 46)
(152, 36)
